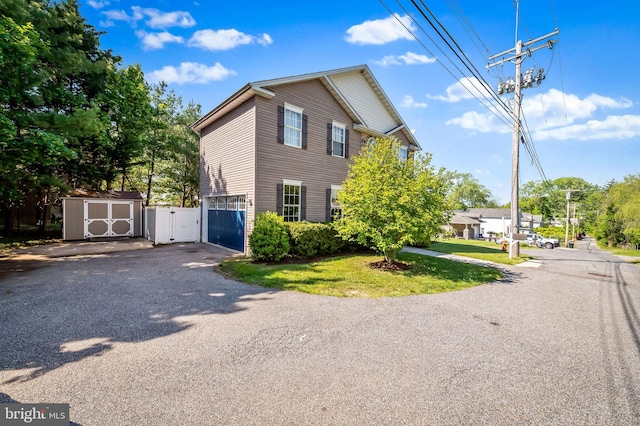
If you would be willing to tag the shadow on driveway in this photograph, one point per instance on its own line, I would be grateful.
(61, 310)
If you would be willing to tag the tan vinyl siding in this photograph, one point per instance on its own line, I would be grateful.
(227, 152)
(355, 88)
(313, 166)
(401, 138)
(73, 219)
(228, 157)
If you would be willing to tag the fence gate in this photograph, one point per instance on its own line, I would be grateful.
(172, 225)
(108, 218)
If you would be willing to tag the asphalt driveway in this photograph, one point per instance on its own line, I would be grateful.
(155, 336)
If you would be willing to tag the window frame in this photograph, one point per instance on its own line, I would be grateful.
(297, 207)
(298, 131)
(335, 209)
(337, 125)
(403, 149)
(232, 203)
(221, 203)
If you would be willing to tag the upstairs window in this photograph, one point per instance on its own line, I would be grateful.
(292, 126)
(338, 139)
(403, 153)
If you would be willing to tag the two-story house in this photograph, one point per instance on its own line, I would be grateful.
(285, 144)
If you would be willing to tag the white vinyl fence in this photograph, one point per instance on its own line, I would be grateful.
(168, 225)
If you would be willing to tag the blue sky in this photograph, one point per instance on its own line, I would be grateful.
(583, 119)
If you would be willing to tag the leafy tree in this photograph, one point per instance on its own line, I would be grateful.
(180, 174)
(388, 203)
(31, 153)
(549, 198)
(169, 165)
(620, 220)
(466, 192)
(129, 108)
(53, 72)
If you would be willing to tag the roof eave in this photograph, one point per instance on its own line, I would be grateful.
(241, 96)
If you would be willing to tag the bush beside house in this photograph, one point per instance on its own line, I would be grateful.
(273, 239)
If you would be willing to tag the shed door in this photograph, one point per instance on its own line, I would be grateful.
(108, 218)
(226, 221)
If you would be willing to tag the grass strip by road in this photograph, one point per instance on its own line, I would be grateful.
(351, 276)
(632, 255)
(479, 249)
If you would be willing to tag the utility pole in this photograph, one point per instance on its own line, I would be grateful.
(517, 55)
(566, 233)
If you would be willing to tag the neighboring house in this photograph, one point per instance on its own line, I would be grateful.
(483, 221)
(285, 145)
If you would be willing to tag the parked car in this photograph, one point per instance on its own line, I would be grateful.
(540, 241)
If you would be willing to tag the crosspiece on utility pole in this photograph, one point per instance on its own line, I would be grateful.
(518, 56)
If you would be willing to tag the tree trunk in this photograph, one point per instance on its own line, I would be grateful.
(8, 220)
(150, 176)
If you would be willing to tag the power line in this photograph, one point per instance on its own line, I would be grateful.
(504, 115)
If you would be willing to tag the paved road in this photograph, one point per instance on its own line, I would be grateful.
(151, 337)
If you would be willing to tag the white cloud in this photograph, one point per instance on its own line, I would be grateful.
(153, 41)
(411, 58)
(155, 18)
(408, 102)
(612, 127)
(381, 31)
(158, 19)
(225, 39)
(557, 116)
(408, 58)
(465, 88)
(484, 123)
(554, 108)
(97, 4)
(190, 72)
(119, 15)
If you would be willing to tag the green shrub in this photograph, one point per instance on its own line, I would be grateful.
(551, 232)
(314, 239)
(269, 240)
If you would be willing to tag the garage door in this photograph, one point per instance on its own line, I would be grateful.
(226, 221)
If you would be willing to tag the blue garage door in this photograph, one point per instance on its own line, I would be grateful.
(226, 221)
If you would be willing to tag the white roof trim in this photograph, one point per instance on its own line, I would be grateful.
(260, 88)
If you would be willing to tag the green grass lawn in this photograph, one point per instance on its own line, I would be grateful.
(634, 255)
(479, 249)
(351, 276)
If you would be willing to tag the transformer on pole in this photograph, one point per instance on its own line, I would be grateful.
(517, 54)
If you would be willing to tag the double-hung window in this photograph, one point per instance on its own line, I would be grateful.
(336, 211)
(338, 139)
(291, 201)
(403, 153)
(292, 126)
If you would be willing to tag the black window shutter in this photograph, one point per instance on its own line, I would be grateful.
(329, 138)
(328, 206)
(279, 200)
(303, 203)
(280, 124)
(346, 143)
(304, 131)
